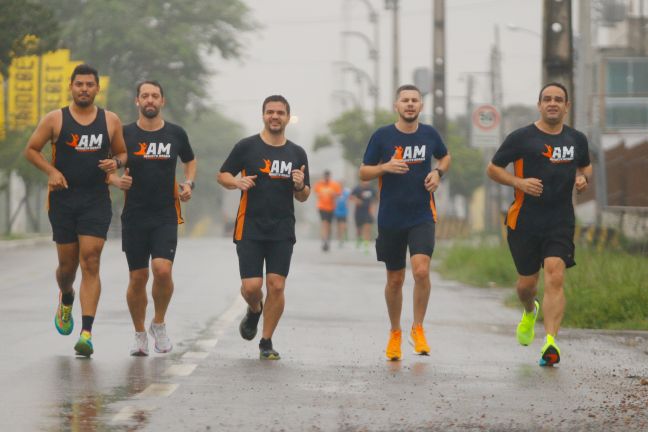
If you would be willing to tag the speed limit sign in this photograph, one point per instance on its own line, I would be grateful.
(485, 126)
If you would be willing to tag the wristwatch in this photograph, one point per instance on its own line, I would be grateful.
(191, 184)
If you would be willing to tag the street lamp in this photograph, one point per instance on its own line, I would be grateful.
(344, 95)
(373, 55)
(516, 28)
(360, 75)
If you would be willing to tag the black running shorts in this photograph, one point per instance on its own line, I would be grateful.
(392, 244)
(148, 239)
(529, 249)
(74, 212)
(252, 254)
(326, 216)
(363, 217)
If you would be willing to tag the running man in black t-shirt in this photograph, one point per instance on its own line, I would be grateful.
(364, 196)
(87, 144)
(274, 171)
(549, 159)
(152, 210)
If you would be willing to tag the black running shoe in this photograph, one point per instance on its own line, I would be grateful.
(266, 352)
(249, 323)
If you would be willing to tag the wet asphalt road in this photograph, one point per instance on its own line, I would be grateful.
(332, 376)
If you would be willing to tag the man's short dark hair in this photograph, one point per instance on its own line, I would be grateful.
(153, 83)
(406, 87)
(276, 98)
(554, 84)
(84, 69)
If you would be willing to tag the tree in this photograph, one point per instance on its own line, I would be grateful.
(352, 130)
(154, 39)
(467, 169)
(212, 136)
(25, 28)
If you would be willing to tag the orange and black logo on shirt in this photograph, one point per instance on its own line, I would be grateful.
(559, 154)
(410, 154)
(154, 150)
(276, 168)
(85, 143)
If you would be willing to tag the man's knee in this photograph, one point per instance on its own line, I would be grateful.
(139, 278)
(162, 272)
(395, 280)
(275, 285)
(251, 287)
(90, 262)
(554, 272)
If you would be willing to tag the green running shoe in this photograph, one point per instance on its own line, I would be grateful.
(84, 344)
(525, 329)
(63, 320)
(266, 352)
(550, 352)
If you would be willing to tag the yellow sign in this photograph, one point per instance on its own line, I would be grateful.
(2, 110)
(38, 85)
(102, 98)
(54, 81)
(23, 92)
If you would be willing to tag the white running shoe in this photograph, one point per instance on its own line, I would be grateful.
(140, 345)
(162, 341)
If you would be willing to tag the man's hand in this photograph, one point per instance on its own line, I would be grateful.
(530, 186)
(245, 183)
(185, 192)
(108, 165)
(432, 181)
(581, 182)
(298, 178)
(395, 166)
(56, 181)
(124, 182)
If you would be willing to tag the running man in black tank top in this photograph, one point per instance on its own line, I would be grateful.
(87, 144)
(550, 159)
(152, 210)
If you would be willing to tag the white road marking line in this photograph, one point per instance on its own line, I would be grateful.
(206, 344)
(195, 355)
(158, 390)
(180, 369)
(234, 311)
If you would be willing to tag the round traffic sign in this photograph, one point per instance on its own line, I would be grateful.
(486, 117)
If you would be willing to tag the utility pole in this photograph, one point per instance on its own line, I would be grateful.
(558, 53)
(438, 68)
(588, 112)
(393, 6)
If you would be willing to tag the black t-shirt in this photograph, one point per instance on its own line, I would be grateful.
(152, 158)
(366, 196)
(552, 159)
(266, 211)
(78, 150)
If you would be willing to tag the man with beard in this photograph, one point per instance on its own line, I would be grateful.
(549, 158)
(400, 156)
(152, 211)
(87, 144)
(274, 171)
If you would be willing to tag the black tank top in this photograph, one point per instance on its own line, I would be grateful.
(79, 149)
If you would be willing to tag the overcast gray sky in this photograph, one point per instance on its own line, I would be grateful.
(294, 54)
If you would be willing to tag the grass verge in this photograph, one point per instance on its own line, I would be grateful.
(606, 290)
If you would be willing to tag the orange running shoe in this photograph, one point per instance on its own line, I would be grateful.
(417, 338)
(393, 351)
